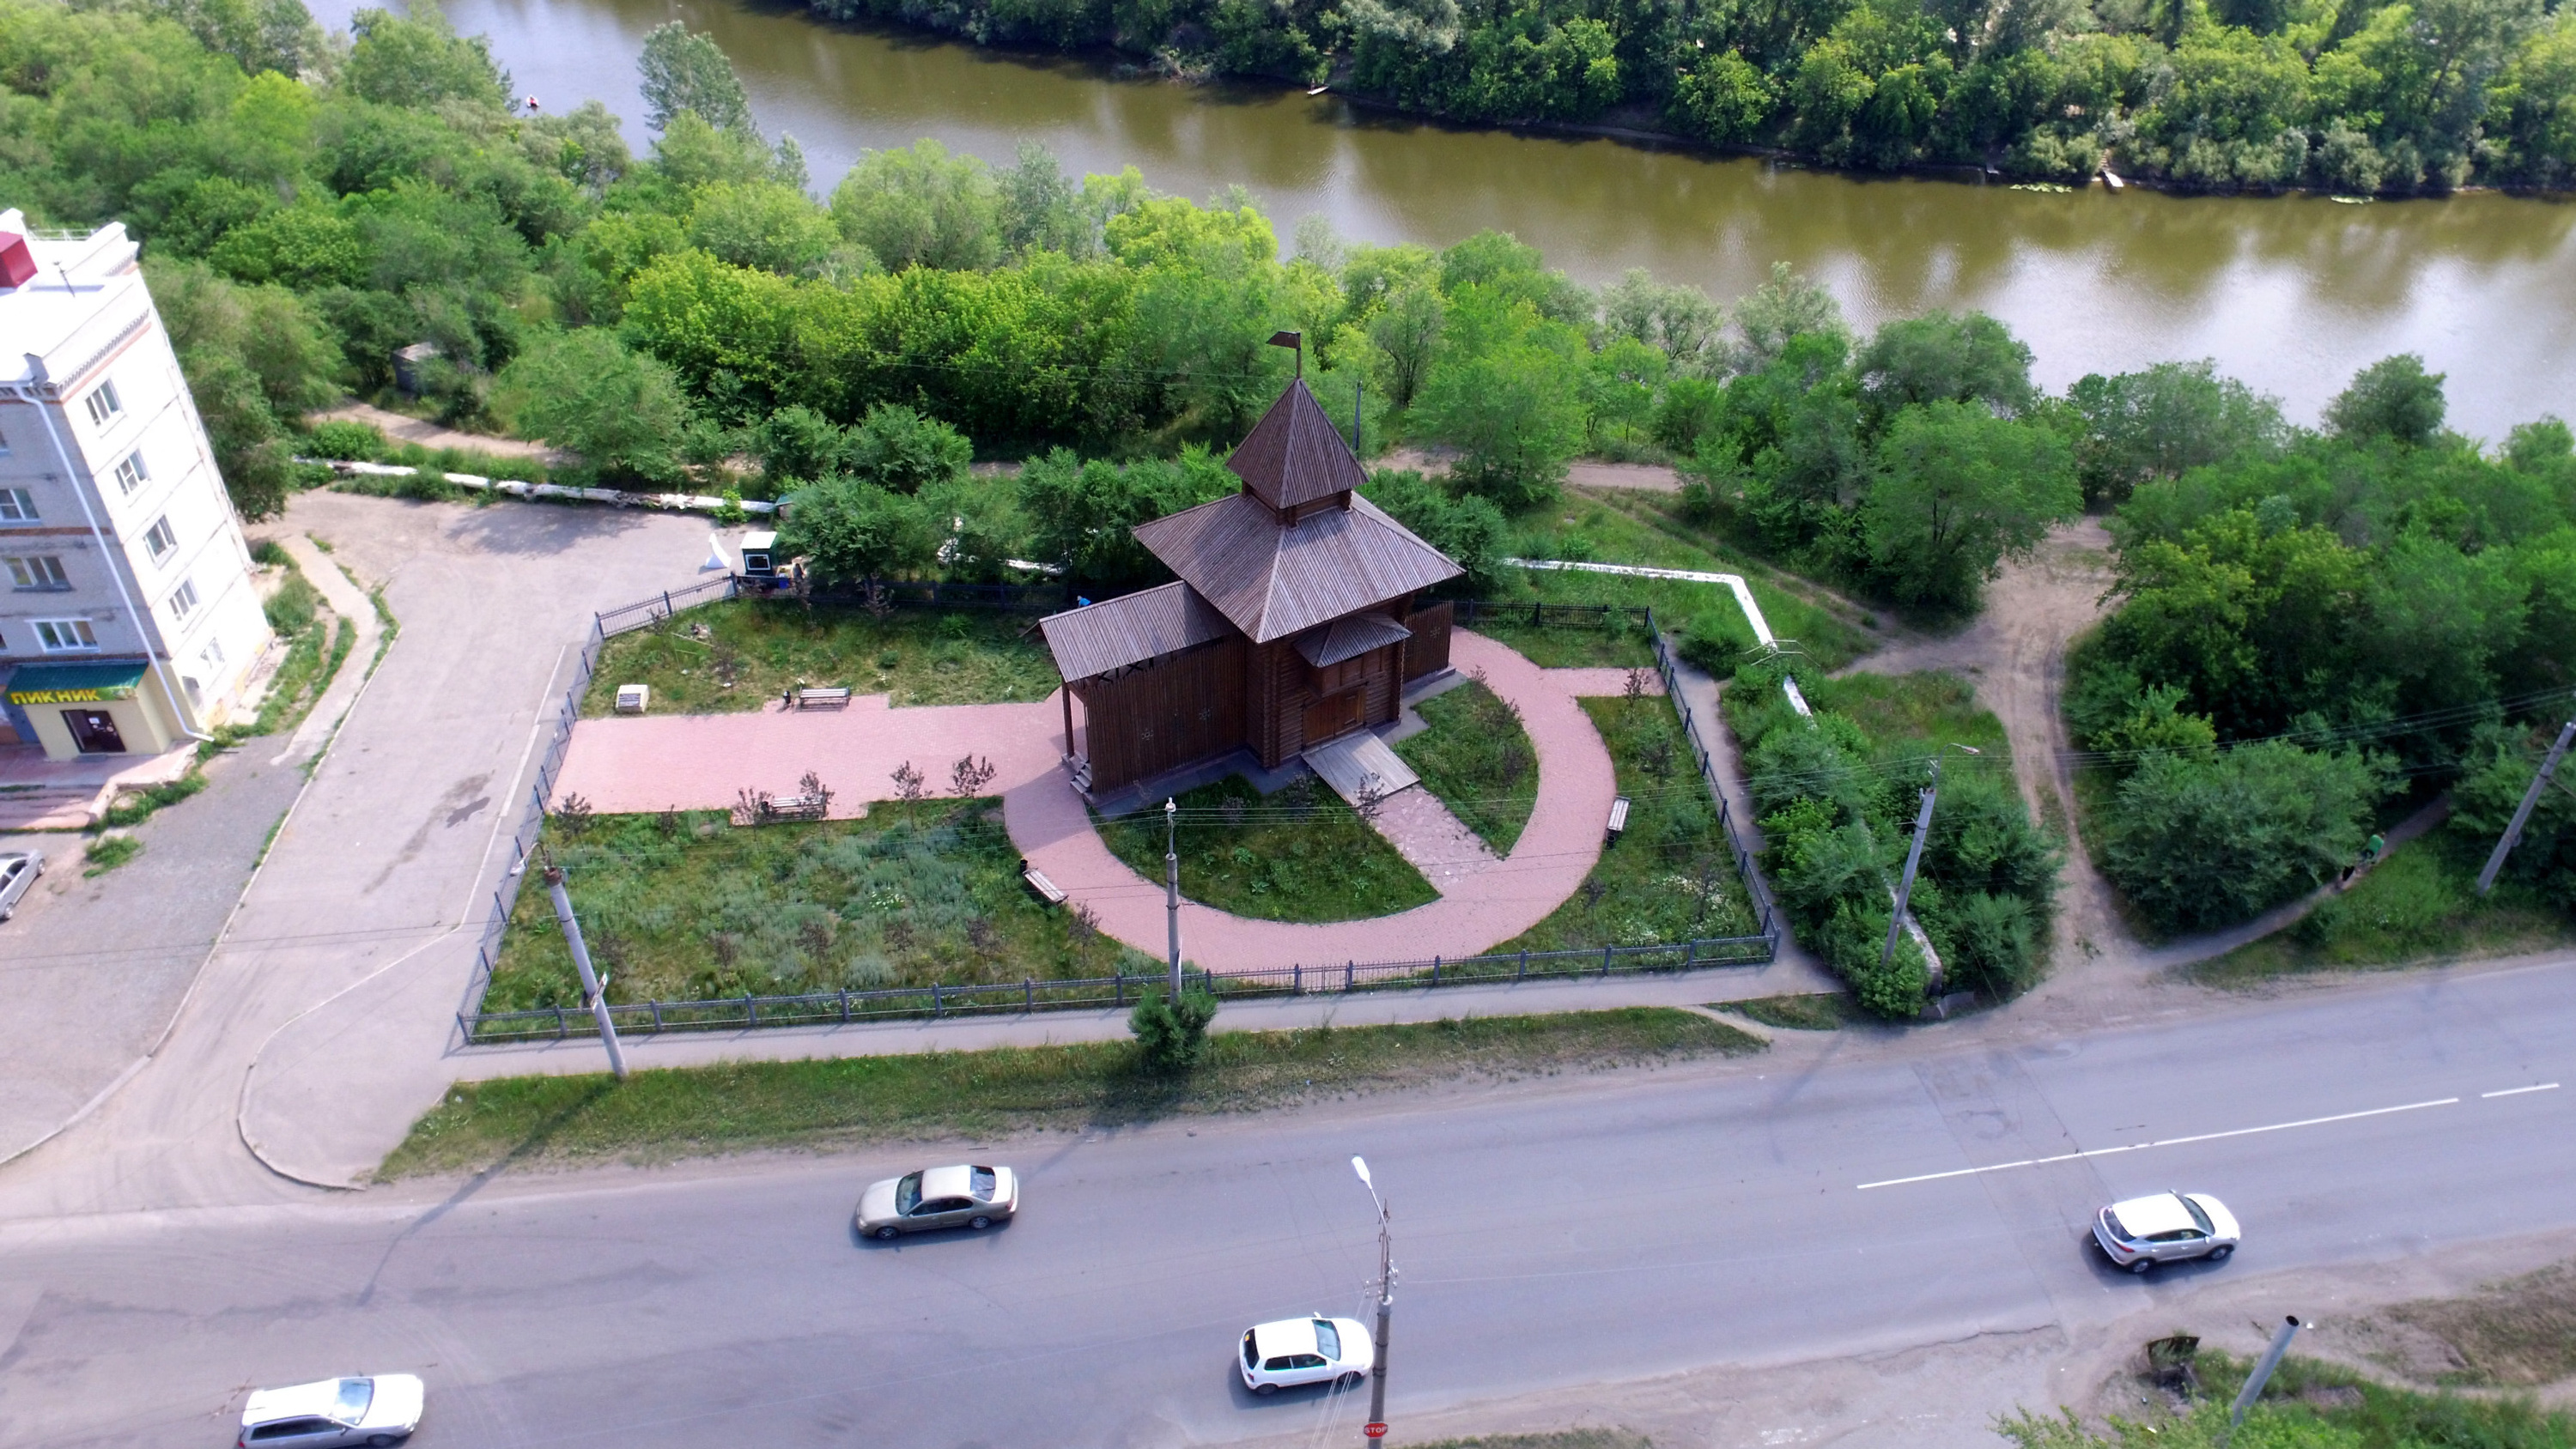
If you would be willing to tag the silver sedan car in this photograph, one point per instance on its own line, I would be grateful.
(938, 1197)
(2169, 1227)
(18, 872)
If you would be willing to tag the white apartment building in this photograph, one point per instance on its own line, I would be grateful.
(127, 614)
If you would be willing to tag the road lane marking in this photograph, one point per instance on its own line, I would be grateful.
(2163, 1142)
(2518, 1091)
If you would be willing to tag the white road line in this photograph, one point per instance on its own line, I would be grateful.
(2518, 1091)
(2164, 1142)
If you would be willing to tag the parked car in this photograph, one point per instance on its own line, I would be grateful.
(939, 1197)
(2167, 1228)
(1309, 1350)
(18, 872)
(377, 1410)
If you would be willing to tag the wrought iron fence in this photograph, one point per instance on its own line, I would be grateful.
(937, 1002)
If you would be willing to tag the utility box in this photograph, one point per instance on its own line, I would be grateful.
(631, 698)
(760, 555)
(411, 364)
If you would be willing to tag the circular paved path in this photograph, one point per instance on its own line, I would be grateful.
(1554, 853)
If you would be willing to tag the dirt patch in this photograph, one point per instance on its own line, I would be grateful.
(2520, 1333)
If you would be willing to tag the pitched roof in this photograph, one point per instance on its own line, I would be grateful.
(1273, 580)
(1296, 453)
(1349, 638)
(1130, 629)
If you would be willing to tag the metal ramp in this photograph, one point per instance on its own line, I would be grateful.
(1350, 763)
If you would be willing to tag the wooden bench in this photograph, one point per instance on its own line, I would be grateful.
(1047, 890)
(796, 807)
(823, 699)
(1618, 821)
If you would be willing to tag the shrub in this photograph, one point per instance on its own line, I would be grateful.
(2199, 843)
(346, 440)
(290, 609)
(1171, 1035)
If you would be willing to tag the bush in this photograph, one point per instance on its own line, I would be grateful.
(290, 610)
(2202, 842)
(345, 439)
(1171, 1036)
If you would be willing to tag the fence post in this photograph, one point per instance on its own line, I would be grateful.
(559, 1024)
(1690, 953)
(845, 1006)
(1523, 973)
(657, 1016)
(1605, 961)
(462, 1029)
(1296, 980)
(1348, 967)
(667, 610)
(934, 1001)
(1120, 979)
(1028, 993)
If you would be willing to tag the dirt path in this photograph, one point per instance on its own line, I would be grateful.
(2016, 655)
(431, 435)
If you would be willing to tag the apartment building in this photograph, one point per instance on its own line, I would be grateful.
(128, 618)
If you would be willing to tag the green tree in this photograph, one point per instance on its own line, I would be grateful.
(1084, 514)
(2198, 842)
(762, 224)
(921, 207)
(256, 359)
(1959, 491)
(1406, 333)
(2393, 398)
(1171, 1033)
(1724, 99)
(419, 60)
(622, 411)
(1941, 358)
(2160, 422)
(848, 530)
(683, 71)
(901, 451)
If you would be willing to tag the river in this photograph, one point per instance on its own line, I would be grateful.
(2292, 294)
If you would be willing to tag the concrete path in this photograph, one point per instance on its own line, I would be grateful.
(702, 761)
(358, 613)
(1554, 853)
(1047, 1028)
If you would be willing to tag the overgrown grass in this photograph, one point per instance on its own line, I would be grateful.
(136, 806)
(298, 613)
(109, 852)
(756, 648)
(2420, 904)
(684, 906)
(2520, 1333)
(1815, 1011)
(1477, 758)
(1616, 643)
(1299, 855)
(2312, 1405)
(1628, 526)
(743, 1106)
(1670, 876)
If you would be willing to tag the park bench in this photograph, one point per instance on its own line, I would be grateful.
(1618, 821)
(1047, 890)
(795, 807)
(836, 698)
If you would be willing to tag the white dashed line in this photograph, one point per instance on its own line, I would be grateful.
(2518, 1091)
(2166, 1142)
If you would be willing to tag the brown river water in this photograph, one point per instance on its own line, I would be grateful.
(2291, 294)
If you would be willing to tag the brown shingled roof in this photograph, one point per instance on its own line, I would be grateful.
(1273, 580)
(1131, 629)
(1296, 453)
(1349, 638)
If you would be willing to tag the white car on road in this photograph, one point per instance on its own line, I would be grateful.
(1310, 1350)
(2167, 1228)
(379, 1410)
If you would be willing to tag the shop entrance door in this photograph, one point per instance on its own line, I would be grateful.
(94, 731)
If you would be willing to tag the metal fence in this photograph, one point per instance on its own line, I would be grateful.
(825, 1008)
(938, 1001)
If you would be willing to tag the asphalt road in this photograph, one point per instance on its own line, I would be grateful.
(1557, 1233)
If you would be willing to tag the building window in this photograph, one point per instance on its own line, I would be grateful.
(160, 538)
(130, 473)
(103, 403)
(183, 598)
(65, 636)
(213, 654)
(4, 445)
(40, 571)
(17, 505)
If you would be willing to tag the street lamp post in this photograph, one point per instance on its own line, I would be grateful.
(592, 990)
(1914, 853)
(1172, 886)
(1385, 1303)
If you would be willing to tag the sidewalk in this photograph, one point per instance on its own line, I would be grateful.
(1049, 1028)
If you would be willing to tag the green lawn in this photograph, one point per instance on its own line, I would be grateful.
(741, 1106)
(2421, 904)
(1908, 716)
(1273, 858)
(1814, 1011)
(1670, 877)
(687, 907)
(760, 647)
(1476, 757)
(1615, 643)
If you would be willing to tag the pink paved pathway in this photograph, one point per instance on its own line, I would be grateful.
(699, 761)
(1600, 681)
(1555, 852)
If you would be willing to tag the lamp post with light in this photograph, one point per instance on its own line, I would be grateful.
(1385, 1285)
(1172, 886)
(1914, 854)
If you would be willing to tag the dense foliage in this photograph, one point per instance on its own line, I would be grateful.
(2349, 94)
(2377, 603)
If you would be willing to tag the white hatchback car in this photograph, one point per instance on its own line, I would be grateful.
(1310, 1350)
(377, 1411)
(2167, 1228)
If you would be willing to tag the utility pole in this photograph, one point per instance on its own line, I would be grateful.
(2522, 813)
(1172, 886)
(1914, 853)
(591, 990)
(2262, 1375)
(1376, 1426)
